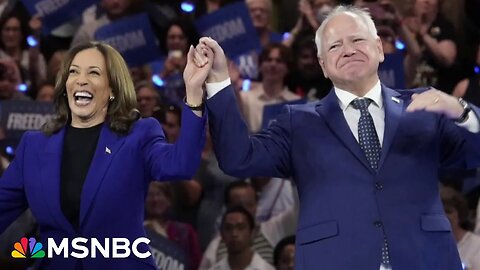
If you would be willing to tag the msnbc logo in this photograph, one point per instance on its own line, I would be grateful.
(34, 249)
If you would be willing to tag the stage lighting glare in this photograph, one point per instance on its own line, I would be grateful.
(246, 85)
(32, 42)
(399, 45)
(187, 6)
(157, 80)
(22, 87)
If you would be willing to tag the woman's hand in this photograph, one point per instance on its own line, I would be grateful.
(195, 74)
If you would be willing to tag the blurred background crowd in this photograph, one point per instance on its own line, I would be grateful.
(251, 222)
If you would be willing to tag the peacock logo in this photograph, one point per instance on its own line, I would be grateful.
(28, 248)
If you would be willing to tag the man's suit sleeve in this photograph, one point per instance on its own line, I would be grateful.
(239, 154)
(13, 201)
(460, 147)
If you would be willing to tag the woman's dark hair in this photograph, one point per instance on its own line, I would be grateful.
(304, 44)
(121, 113)
(277, 252)
(24, 28)
(188, 30)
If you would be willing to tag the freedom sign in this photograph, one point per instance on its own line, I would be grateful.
(232, 27)
(16, 117)
(132, 37)
(57, 12)
(167, 255)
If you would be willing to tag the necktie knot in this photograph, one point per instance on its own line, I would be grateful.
(361, 103)
(367, 134)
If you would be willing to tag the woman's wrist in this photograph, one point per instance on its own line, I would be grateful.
(194, 101)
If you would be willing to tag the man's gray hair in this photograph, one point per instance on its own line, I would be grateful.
(363, 14)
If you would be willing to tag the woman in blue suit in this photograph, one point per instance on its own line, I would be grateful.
(87, 173)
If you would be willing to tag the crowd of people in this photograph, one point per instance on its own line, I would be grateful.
(214, 220)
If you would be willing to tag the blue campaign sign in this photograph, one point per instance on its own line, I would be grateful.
(57, 12)
(391, 71)
(133, 38)
(232, 27)
(270, 112)
(16, 117)
(247, 65)
(167, 255)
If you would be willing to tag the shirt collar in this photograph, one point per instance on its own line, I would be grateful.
(345, 97)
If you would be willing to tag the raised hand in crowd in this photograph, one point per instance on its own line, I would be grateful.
(294, 32)
(174, 63)
(306, 11)
(402, 28)
(417, 25)
(437, 38)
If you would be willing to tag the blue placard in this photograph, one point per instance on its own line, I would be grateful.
(133, 38)
(247, 65)
(391, 71)
(57, 12)
(270, 112)
(166, 253)
(16, 117)
(232, 27)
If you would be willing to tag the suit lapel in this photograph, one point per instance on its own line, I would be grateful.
(50, 177)
(107, 147)
(393, 106)
(333, 116)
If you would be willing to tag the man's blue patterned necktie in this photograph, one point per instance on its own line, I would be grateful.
(367, 135)
(370, 145)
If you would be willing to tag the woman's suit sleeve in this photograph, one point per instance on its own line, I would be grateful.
(181, 160)
(12, 194)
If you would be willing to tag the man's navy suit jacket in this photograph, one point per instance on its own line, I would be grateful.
(346, 207)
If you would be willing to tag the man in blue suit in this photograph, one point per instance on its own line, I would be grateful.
(365, 158)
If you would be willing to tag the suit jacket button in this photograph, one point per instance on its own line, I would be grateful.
(378, 224)
(378, 186)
